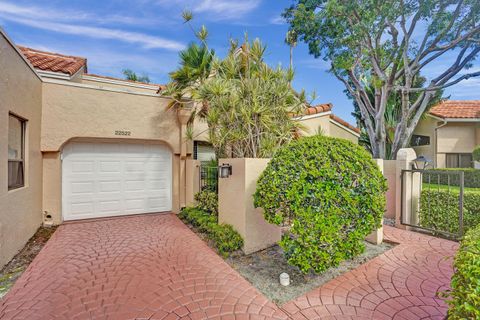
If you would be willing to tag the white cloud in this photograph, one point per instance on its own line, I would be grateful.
(227, 8)
(317, 64)
(279, 20)
(215, 9)
(145, 40)
(49, 14)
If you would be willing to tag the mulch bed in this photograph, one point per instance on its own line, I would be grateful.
(263, 268)
(13, 270)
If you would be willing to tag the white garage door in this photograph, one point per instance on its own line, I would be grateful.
(111, 179)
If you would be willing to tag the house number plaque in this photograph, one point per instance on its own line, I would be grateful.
(122, 133)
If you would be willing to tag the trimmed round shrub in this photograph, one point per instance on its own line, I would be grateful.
(465, 295)
(476, 154)
(332, 195)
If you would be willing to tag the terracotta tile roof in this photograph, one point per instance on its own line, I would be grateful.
(464, 109)
(160, 86)
(344, 123)
(54, 62)
(325, 107)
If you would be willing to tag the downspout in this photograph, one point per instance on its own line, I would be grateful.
(435, 151)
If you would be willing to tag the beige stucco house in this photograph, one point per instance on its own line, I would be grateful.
(449, 133)
(75, 145)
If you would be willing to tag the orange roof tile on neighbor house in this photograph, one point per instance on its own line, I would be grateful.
(54, 62)
(461, 109)
(325, 107)
(344, 123)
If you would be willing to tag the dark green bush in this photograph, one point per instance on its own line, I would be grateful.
(332, 194)
(476, 154)
(207, 201)
(439, 210)
(223, 236)
(471, 177)
(465, 295)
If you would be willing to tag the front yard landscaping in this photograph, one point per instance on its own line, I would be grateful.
(262, 270)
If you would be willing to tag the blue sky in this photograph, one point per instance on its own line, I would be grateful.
(146, 35)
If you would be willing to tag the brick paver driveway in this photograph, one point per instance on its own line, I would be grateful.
(139, 267)
(154, 267)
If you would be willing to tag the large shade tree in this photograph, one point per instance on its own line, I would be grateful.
(384, 45)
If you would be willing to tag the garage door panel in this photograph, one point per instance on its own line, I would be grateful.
(82, 187)
(81, 208)
(102, 179)
(110, 167)
(109, 186)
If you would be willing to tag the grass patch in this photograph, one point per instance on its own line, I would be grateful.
(431, 186)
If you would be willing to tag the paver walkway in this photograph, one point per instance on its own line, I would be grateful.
(154, 267)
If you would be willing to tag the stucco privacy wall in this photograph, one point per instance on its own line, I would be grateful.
(21, 94)
(89, 113)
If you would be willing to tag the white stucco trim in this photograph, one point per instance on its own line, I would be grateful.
(93, 87)
(345, 128)
(120, 82)
(54, 75)
(10, 41)
(312, 116)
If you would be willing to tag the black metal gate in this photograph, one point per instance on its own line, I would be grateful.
(208, 178)
(433, 201)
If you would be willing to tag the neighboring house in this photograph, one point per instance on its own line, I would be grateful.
(317, 119)
(449, 133)
(76, 145)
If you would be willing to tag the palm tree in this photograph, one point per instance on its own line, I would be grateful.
(132, 76)
(291, 39)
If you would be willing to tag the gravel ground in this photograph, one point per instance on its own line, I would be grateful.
(12, 271)
(262, 270)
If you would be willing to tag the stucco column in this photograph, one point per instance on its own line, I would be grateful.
(408, 196)
(235, 204)
(183, 115)
(52, 187)
(376, 237)
(192, 183)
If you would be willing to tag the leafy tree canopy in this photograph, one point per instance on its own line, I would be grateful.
(385, 45)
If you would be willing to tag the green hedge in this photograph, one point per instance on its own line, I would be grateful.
(476, 153)
(465, 295)
(439, 210)
(224, 237)
(471, 177)
(330, 192)
(207, 201)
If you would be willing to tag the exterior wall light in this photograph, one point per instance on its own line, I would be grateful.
(225, 170)
(421, 163)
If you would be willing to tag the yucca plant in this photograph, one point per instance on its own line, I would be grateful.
(246, 103)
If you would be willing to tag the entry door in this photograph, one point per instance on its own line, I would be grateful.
(113, 179)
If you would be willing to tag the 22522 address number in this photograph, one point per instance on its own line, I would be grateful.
(122, 133)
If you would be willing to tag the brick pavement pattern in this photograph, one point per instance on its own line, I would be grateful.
(154, 267)
(400, 284)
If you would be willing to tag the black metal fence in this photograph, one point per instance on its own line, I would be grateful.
(438, 201)
(208, 178)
